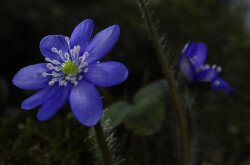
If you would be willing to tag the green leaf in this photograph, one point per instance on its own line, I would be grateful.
(116, 113)
(155, 89)
(146, 117)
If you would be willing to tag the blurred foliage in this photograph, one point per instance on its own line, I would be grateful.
(147, 112)
(219, 123)
(26, 141)
(116, 113)
(146, 117)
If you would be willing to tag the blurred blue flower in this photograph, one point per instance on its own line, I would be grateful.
(72, 70)
(193, 67)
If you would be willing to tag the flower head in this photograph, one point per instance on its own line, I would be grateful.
(71, 72)
(192, 65)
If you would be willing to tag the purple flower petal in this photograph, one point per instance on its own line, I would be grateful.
(186, 68)
(106, 74)
(86, 103)
(52, 106)
(31, 77)
(81, 34)
(102, 43)
(207, 75)
(220, 84)
(53, 41)
(196, 52)
(39, 98)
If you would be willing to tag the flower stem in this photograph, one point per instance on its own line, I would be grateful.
(106, 154)
(170, 81)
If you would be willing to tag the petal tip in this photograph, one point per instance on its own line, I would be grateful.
(25, 107)
(90, 123)
(87, 21)
(40, 118)
(115, 29)
(14, 80)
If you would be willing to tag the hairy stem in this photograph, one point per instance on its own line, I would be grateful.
(170, 81)
(107, 157)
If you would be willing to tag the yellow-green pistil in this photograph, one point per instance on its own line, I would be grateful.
(69, 68)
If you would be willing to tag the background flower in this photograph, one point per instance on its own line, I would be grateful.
(192, 65)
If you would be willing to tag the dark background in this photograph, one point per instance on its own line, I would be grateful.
(219, 123)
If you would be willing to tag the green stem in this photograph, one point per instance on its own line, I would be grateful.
(106, 155)
(170, 81)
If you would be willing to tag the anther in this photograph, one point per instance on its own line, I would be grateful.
(75, 83)
(85, 70)
(67, 78)
(79, 77)
(56, 62)
(52, 82)
(61, 82)
(57, 69)
(207, 66)
(216, 83)
(67, 56)
(60, 52)
(48, 60)
(218, 68)
(54, 74)
(50, 66)
(67, 39)
(44, 74)
(54, 50)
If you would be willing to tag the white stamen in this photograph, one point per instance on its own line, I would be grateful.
(185, 47)
(60, 52)
(54, 50)
(44, 74)
(85, 70)
(83, 57)
(52, 61)
(52, 82)
(67, 39)
(54, 74)
(67, 78)
(207, 66)
(192, 61)
(82, 65)
(57, 69)
(78, 48)
(79, 70)
(79, 77)
(214, 66)
(55, 66)
(50, 66)
(61, 82)
(218, 68)
(56, 62)
(73, 79)
(216, 83)
(67, 56)
(48, 60)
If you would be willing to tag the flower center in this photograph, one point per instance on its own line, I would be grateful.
(69, 68)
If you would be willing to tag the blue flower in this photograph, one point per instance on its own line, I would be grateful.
(192, 65)
(72, 70)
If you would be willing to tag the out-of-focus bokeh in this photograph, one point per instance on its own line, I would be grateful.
(219, 124)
